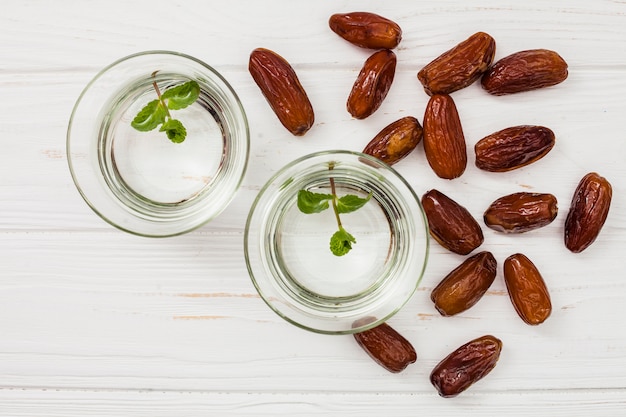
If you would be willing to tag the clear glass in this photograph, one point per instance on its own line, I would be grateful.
(141, 182)
(288, 252)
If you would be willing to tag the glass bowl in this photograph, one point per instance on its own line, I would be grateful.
(141, 182)
(288, 253)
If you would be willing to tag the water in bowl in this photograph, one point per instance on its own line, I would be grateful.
(303, 248)
(147, 167)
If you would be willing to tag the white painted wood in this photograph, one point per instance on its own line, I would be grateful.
(97, 322)
(19, 403)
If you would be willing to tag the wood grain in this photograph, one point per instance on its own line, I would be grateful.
(97, 322)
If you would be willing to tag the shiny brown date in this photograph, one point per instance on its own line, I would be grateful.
(387, 347)
(513, 148)
(444, 142)
(521, 212)
(465, 285)
(527, 289)
(451, 224)
(366, 30)
(372, 84)
(466, 365)
(588, 212)
(396, 140)
(282, 90)
(525, 71)
(460, 66)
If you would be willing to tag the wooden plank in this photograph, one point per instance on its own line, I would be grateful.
(93, 35)
(35, 403)
(111, 310)
(39, 193)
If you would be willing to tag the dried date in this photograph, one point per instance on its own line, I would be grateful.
(466, 365)
(444, 142)
(513, 148)
(396, 140)
(465, 285)
(521, 212)
(387, 347)
(460, 66)
(366, 30)
(372, 84)
(451, 224)
(527, 289)
(282, 90)
(525, 71)
(588, 212)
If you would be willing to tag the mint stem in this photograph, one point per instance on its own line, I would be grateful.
(309, 202)
(333, 191)
(158, 92)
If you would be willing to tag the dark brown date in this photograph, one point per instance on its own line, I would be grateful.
(372, 84)
(466, 365)
(513, 148)
(465, 285)
(396, 140)
(521, 212)
(588, 212)
(527, 289)
(282, 90)
(451, 224)
(366, 30)
(525, 71)
(460, 66)
(387, 347)
(444, 142)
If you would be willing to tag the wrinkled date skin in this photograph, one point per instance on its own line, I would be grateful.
(282, 90)
(451, 224)
(396, 140)
(460, 66)
(372, 84)
(466, 365)
(387, 347)
(465, 285)
(513, 148)
(366, 30)
(527, 289)
(521, 212)
(525, 71)
(588, 212)
(444, 142)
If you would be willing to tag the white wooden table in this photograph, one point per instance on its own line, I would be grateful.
(97, 322)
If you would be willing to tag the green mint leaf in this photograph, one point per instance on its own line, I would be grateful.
(309, 202)
(174, 130)
(349, 203)
(182, 95)
(341, 242)
(148, 118)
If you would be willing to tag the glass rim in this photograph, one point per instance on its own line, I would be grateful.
(238, 160)
(370, 160)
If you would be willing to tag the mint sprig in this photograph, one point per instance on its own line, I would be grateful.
(341, 242)
(349, 203)
(309, 203)
(157, 112)
(174, 130)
